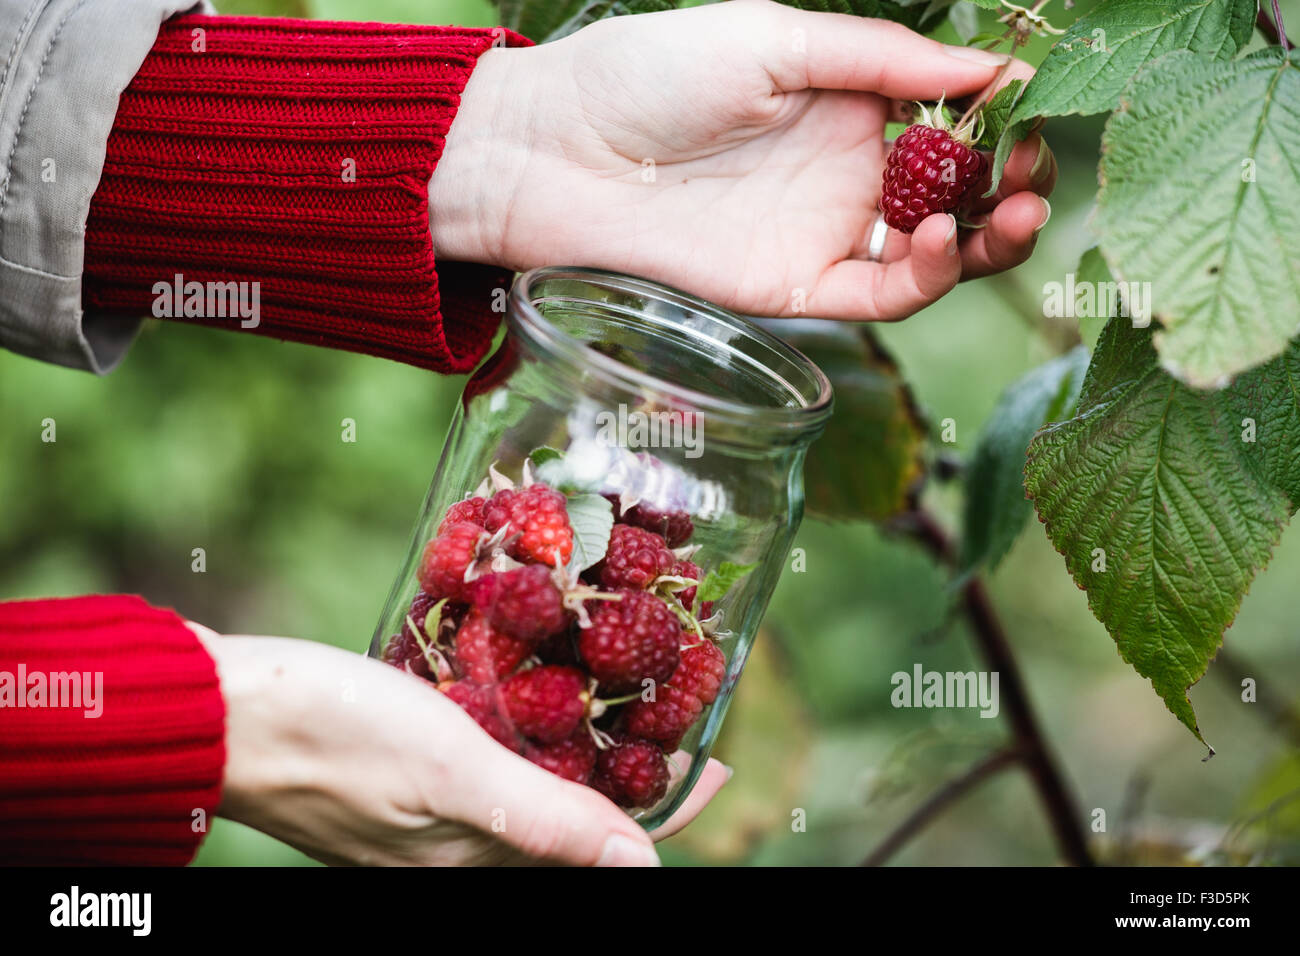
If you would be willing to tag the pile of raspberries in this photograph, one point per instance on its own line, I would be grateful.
(596, 675)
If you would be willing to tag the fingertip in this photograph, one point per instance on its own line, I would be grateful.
(713, 778)
(934, 255)
(1031, 166)
(622, 849)
(1009, 236)
(1021, 216)
(1018, 70)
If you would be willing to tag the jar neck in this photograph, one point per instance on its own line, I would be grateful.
(656, 359)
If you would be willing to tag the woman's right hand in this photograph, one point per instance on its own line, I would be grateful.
(354, 762)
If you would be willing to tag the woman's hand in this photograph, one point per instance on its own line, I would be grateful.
(734, 150)
(353, 761)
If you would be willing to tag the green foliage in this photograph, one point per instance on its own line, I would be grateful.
(911, 14)
(1090, 65)
(996, 505)
(1161, 506)
(1270, 812)
(1088, 68)
(718, 581)
(537, 19)
(592, 518)
(1093, 272)
(232, 442)
(998, 111)
(1200, 188)
(869, 462)
(545, 20)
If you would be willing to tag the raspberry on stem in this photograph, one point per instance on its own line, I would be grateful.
(931, 169)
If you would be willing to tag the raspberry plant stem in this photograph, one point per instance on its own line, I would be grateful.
(940, 800)
(1281, 28)
(1275, 33)
(1030, 744)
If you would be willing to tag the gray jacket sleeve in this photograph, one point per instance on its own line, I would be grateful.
(66, 62)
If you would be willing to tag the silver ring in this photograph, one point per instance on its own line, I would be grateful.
(879, 233)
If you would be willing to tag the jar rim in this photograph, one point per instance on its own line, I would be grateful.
(808, 411)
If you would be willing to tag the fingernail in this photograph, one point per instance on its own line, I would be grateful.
(1047, 214)
(972, 55)
(730, 770)
(1042, 167)
(950, 239)
(623, 851)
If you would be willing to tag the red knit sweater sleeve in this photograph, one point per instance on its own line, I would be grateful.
(112, 734)
(292, 157)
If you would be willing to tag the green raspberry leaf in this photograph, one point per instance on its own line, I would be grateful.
(536, 19)
(996, 505)
(592, 519)
(997, 111)
(1265, 404)
(1088, 68)
(545, 20)
(1162, 512)
(1199, 188)
(541, 455)
(719, 581)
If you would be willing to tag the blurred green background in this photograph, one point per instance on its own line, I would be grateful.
(232, 443)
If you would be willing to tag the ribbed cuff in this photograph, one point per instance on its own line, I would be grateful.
(124, 764)
(293, 156)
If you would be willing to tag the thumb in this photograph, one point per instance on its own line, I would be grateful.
(550, 818)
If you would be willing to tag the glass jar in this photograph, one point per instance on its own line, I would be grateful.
(651, 404)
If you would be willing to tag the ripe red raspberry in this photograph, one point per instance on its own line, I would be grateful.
(484, 654)
(471, 509)
(403, 649)
(446, 559)
(481, 703)
(701, 671)
(404, 653)
(524, 602)
(537, 514)
(634, 558)
(546, 703)
(928, 172)
(632, 773)
(675, 527)
(664, 719)
(689, 569)
(572, 758)
(630, 640)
